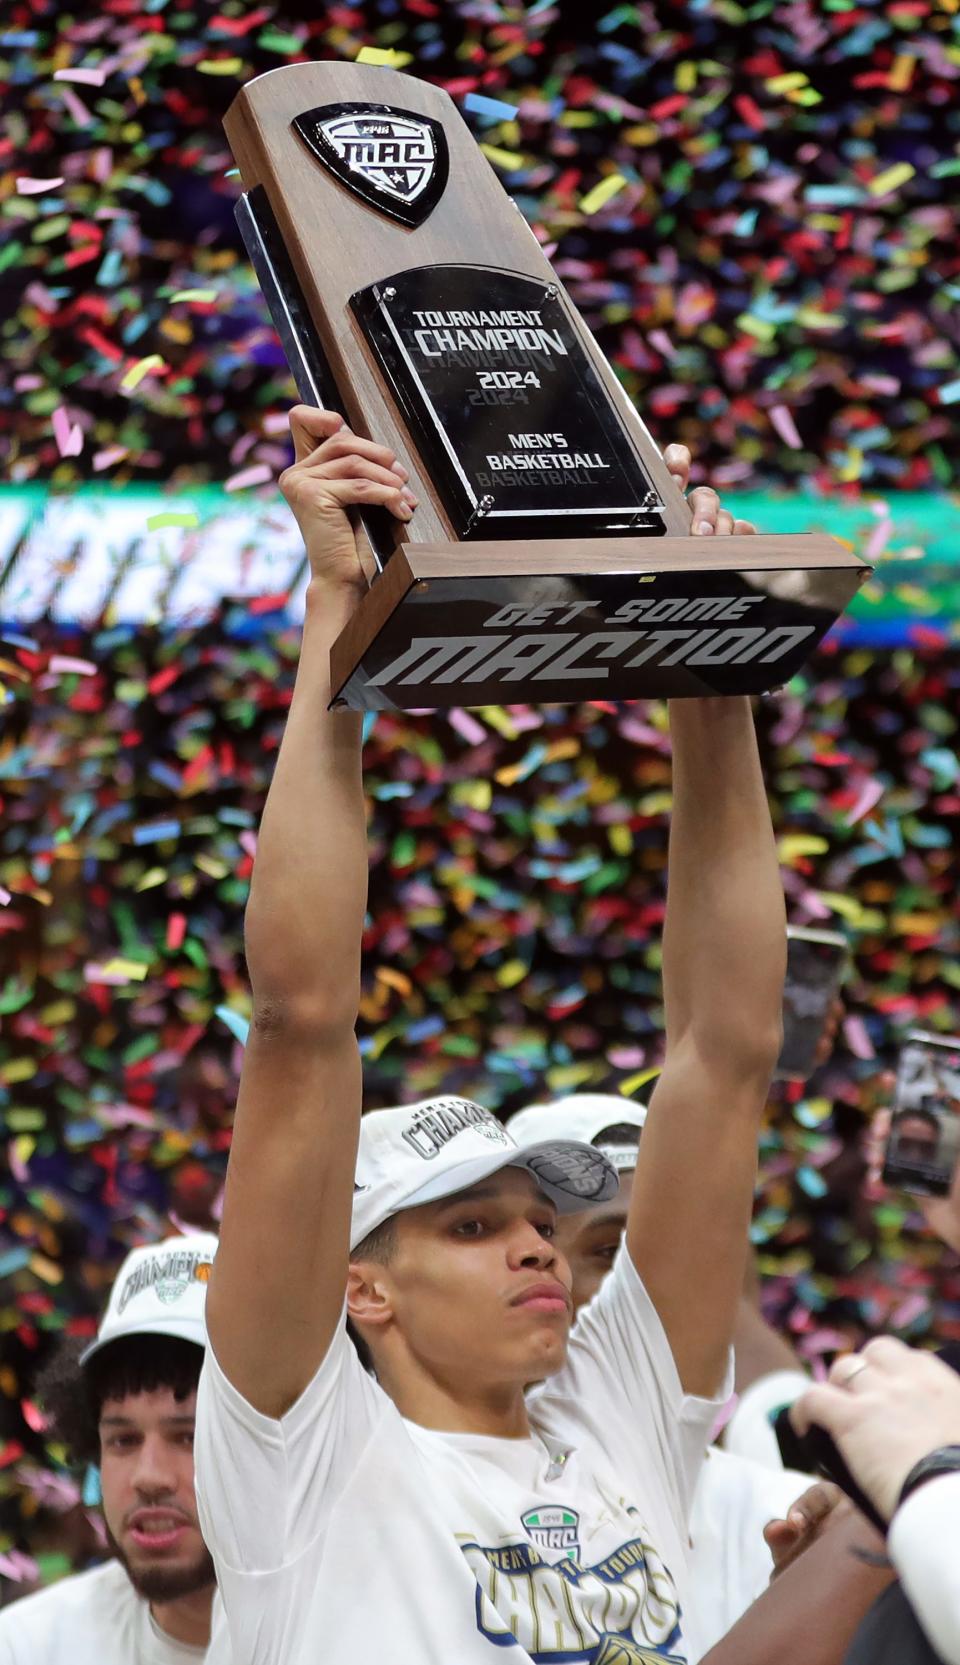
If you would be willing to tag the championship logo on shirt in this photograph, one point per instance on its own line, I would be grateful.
(622, 1610)
(553, 1528)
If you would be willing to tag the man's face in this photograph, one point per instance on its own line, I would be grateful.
(146, 1477)
(917, 1140)
(475, 1286)
(590, 1239)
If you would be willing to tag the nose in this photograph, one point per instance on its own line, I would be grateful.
(529, 1248)
(154, 1476)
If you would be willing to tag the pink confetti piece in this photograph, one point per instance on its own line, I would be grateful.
(5, 897)
(466, 726)
(815, 908)
(62, 665)
(83, 77)
(914, 1307)
(276, 423)
(258, 475)
(106, 458)
(782, 420)
(68, 435)
(248, 842)
(28, 187)
(122, 1115)
(877, 540)
(19, 1568)
(78, 110)
(661, 340)
(856, 1036)
(870, 794)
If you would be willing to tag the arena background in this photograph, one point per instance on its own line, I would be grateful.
(755, 208)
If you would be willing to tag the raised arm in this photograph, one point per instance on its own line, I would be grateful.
(724, 956)
(278, 1283)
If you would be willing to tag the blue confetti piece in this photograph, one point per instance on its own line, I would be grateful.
(495, 108)
(90, 1491)
(13, 1260)
(155, 832)
(369, 719)
(810, 1181)
(238, 1026)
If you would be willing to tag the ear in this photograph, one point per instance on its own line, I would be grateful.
(368, 1293)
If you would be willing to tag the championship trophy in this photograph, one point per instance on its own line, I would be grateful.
(551, 556)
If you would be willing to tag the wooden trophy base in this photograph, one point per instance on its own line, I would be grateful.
(554, 621)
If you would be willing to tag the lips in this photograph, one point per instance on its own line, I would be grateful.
(543, 1297)
(157, 1529)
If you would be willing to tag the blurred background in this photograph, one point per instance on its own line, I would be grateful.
(755, 208)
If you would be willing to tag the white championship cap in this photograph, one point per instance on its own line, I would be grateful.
(419, 1153)
(160, 1289)
(585, 1117)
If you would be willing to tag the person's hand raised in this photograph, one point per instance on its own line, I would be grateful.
(334, 470)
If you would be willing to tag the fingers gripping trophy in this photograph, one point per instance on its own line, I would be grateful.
(545, 550)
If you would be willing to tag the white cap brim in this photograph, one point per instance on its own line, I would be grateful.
(183, 1330)
(572, 1175)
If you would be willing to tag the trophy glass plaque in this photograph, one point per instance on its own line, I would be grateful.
(551, 556)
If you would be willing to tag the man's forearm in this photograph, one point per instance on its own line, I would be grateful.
(811, 1612)
(724, 946)
(308, 893)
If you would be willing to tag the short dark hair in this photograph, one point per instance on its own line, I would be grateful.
(72, 1394)
(380, 1245)
(619, 1133)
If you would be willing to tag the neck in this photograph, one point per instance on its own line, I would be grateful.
(186, 1619)
(499, 1409)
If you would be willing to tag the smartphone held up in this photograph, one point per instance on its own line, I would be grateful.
(923, 1145)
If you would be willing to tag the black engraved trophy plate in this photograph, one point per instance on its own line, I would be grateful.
(395, 160)
(491, 376)
(687, 633)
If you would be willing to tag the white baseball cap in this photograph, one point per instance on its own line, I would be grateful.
(419, 1153)
(585, 1117)
(161, 1289)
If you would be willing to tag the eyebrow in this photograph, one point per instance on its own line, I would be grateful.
(185, 1419)
(482, 1193)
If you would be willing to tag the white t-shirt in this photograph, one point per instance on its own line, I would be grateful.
(749, 1433)
(729, 1562)
(924, 1545)
(95, 1618)
(343, 1533)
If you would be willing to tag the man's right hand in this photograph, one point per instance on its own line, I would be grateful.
(333, 467)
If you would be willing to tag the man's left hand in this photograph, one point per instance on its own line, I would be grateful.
(886, 1408)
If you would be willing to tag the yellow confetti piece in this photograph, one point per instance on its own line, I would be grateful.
(786, 83)
(811, 319)
(216, 868)
(155, 876)
(496, 717)
(46, 1269)
(135, 970)
(645, 133)
(394, 980)
(563, 1076)
(386, 56)
(477, 794)
(861, 918)
(633, 1083)
(18, 1069)
(58, 1011)
(193, 295)
(602, 193)
(621, 839)
(502, 158)
(917, 924)
(761, 328)
(901, 73)
(801, 844)
(852, 469)
(891, 178)
(171, 517)
(23, 1147)
(512, 973)
(143, 367)
(220, 66)
(685, 78)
